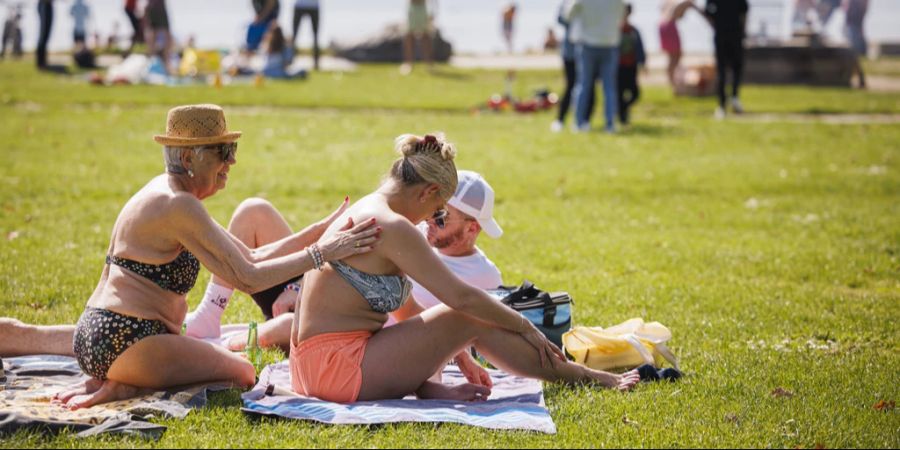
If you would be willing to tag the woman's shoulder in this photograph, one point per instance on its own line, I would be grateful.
(159, 199)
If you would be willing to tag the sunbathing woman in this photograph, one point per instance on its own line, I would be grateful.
(128, 338)
(341, 353)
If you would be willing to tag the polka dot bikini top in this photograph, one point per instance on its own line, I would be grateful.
(178, 276)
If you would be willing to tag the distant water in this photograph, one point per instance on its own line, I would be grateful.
(472, 26)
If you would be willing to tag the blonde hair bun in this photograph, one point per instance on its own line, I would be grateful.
(409, 145)
(426, 158)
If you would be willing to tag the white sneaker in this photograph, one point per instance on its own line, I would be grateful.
(556, 126)
(720, 113)
(586, 128)
(736, 106)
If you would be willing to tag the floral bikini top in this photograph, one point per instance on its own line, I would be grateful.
(178, 276)
(385, 293)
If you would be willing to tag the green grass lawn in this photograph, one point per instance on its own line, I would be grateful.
(770, 248)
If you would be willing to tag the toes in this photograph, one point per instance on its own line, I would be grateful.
(80, 401)
(237, 343)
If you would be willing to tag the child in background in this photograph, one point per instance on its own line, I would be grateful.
(631, 56)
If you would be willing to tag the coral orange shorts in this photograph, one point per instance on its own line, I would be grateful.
(329, 366)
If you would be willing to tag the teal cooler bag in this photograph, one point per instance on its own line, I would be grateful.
(550, 312)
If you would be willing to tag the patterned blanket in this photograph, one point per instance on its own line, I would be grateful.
(516, 404)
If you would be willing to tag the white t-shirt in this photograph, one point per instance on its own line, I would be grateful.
(476, 270)
(595, 23)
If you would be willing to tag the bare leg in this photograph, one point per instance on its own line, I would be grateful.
(674, 61)
(256, 222)
(408, 54)
(273, 333)
(165, 361)
(399, 359)
(18, 339)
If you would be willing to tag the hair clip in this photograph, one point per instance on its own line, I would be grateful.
(429, 139)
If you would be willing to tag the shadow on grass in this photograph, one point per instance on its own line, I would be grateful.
(450, 75)
(649, 130)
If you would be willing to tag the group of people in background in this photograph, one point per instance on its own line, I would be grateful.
(602, 45)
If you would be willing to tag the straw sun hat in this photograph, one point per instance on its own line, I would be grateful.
(194, 125)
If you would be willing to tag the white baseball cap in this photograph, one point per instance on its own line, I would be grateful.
(475, 197)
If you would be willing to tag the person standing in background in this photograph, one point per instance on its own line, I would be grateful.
(568, 57)
(135, 20)
(729, 22)
(596, 35)
(80, 13)
(157, 18)
(631, 57)
(12, 32)
(508, 24)
(307, 8)
(669, 38)
(855, 14)
(266, 12)
(420, 17)
(45, 13)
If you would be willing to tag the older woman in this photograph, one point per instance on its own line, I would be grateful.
(128, 338)
(341, 353)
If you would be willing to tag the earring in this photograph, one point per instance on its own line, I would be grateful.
(190, 173)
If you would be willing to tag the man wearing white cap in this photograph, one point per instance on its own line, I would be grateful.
(469, 212)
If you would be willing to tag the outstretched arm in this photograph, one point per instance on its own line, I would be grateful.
(215, 248)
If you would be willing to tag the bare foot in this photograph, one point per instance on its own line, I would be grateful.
(110, 391)
(88, 387)
(463, 392)
(238, 343)
(623, 382)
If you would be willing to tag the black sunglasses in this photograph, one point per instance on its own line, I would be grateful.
(226, 151)
(440, 218)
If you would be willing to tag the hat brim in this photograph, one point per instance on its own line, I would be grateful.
(490, 227)
(189, 142)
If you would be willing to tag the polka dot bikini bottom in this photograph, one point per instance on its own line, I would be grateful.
(101, 336)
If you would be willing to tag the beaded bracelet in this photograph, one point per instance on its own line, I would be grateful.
(319, 257)
(315, 255)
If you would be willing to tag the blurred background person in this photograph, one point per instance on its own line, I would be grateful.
(567, 51)
(266, 13)
(80, 13)
(279, 56)
(136, 23)
(159, 36)
(596, 33)
(45, 14)
(631, 58)
(307, 8)
(12, 32)
(669, 37)
(508, 24)
(729, 22)
(420, 18)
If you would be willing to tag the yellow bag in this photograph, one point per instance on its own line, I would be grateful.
(624, 346)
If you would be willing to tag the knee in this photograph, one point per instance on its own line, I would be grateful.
(253, 206)
(246, 375)
(250, 211)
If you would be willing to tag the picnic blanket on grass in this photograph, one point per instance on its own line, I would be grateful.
(28, 383)
(516, 403)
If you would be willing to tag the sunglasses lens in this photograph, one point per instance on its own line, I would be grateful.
(227, 151)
